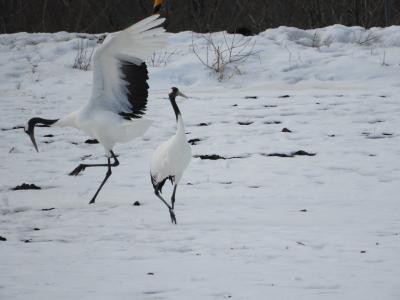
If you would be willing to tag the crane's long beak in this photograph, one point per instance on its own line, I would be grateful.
(182, 94)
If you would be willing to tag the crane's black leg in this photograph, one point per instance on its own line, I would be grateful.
(173, 196)
(171, 210)
(108, 174)
(82, 167)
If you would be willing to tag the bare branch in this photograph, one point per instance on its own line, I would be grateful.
(84, 55)
(225, 55)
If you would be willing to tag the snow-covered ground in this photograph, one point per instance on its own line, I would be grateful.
(251, 226)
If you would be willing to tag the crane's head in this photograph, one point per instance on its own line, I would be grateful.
(30, 128)
(176, 92)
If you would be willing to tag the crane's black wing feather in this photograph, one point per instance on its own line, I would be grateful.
(136, 76)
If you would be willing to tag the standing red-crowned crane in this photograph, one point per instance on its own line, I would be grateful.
(114, 113)
(171, 158)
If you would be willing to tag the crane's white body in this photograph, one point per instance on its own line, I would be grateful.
(105, 126)
(172, 157)
(100, 117)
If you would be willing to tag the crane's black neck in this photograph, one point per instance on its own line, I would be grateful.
(30, 128)
(172, 97)
(42, 122)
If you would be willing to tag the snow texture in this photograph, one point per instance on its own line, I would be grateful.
(252, 223)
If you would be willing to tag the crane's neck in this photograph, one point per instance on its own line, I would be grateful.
(41, 123)
(180, 130)
(30, 127)
(68, 120)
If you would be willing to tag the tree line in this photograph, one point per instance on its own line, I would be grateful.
(251, 16)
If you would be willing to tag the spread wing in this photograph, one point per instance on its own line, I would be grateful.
(119, 71)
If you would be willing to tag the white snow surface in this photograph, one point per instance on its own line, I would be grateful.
(249, 227)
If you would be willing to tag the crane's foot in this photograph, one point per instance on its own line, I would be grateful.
(92, 201)
(77, 170)
(172, 214)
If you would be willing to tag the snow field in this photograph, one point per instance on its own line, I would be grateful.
(251, 226)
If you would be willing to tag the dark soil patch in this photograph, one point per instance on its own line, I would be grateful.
(91, 141)
(250, 97)
(136, 203)
(194, 141)
(278, 154)
(49, 135)
(286, 130)
(209, 156)
(291, 154)
(272, 122)
(216, 157)
(376, 137)
(3, 239)
(245, 123)
(304, 153)
(204, 124)
(26, 186)
(270, 106)
(382, 135)
(48, 209)
(284, 96)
